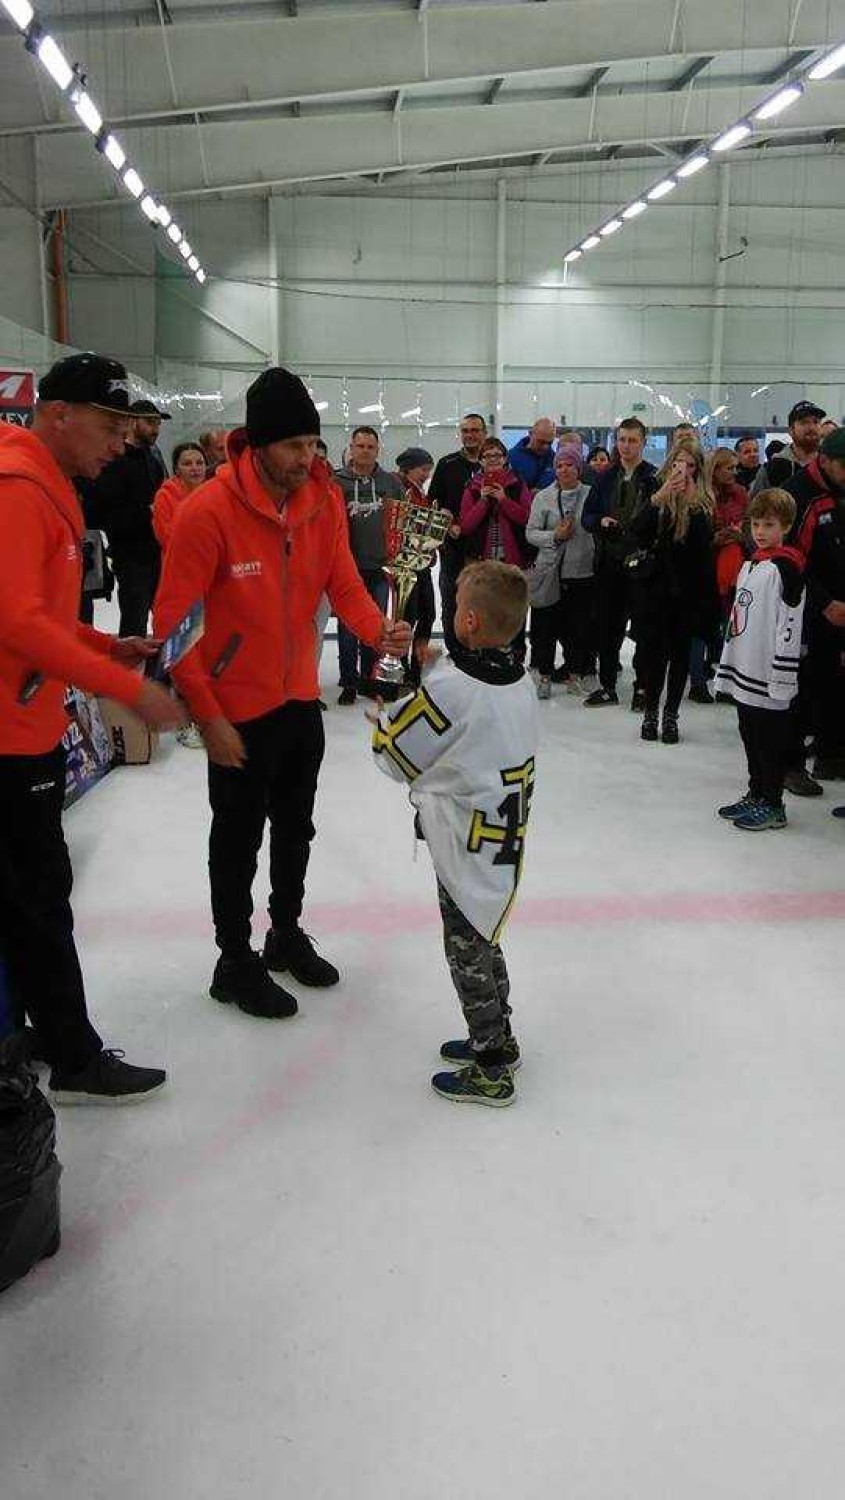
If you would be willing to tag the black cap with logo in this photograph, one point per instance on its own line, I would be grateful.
(147, 409)
(805, 409)
(87, 380)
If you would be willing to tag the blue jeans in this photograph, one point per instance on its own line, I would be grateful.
(348, 645)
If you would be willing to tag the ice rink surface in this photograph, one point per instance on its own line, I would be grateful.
(298, 1274)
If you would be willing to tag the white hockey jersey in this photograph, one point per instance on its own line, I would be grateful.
(762, 650)
(465, 743)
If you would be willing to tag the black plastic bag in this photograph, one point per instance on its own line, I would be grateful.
(29, 1169)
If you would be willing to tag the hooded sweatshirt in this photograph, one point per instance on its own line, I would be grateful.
(43, 647)
(365, 497)
(261, 573)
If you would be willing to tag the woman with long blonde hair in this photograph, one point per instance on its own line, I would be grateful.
(674, 583)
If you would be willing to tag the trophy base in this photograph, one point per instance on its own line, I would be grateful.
(390, 672)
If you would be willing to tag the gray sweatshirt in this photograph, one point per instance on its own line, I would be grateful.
(365, 500)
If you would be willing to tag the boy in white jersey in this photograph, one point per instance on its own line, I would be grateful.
(465, 743)
(760, 660)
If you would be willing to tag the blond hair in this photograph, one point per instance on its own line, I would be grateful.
(711, 463)
(498, 592)
(681, 507)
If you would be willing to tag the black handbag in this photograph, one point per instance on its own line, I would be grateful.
(641, 564)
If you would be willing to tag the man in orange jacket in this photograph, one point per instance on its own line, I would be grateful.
(79, 425)
(260, 543)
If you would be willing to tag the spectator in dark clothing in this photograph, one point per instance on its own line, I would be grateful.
(674, 586)
(368, 491)
(120, 504)
(821, 538)
(803, 445)
(611, 507)
(451, 476)
(532, 457)
(747, 451)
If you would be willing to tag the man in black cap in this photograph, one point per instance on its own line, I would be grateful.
(260, 543)
(120, 504)
(803, 420)
(79, 425)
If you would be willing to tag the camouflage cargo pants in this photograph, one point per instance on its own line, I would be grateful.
(480, 976)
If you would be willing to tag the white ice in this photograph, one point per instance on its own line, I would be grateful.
(299, 1274)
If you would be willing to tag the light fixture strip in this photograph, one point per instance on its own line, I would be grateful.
(789, 93)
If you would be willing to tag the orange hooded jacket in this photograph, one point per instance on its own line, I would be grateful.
(168, 498)
(41, 531)
(261, 573)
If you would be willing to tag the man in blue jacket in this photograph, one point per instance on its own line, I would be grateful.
(532, 458)
(617, 496)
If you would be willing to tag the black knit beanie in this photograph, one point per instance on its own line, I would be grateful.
(278, 406)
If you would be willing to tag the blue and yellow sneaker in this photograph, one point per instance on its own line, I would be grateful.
(476, 1085)
(733, 810)
(459, 1054)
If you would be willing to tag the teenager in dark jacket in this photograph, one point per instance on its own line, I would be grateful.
(452, 474)
(821, 539)
(616, 498)
(674, 589)
(120, 503)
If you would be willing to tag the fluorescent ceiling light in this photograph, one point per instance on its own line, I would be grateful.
(88, 113)
(732, 137)
(55, 61)
(200, 275)
(573, 255)
(321, 405)
(591, 242)
(115, 153)
(694, 165)
(413, 411)
(662, 188)
(779, 101)
(610, 227)
(185, 250)
(133, 182)
(149, 207)
(634, 210)
(830, 64)
(174, 233)
(164, 218)
(377, 406)
(193, 263)
(20, 11)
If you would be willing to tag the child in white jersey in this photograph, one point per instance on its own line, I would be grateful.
(760, 660)
(465, 743)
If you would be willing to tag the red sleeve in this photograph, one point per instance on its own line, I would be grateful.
(474, 509)
(98, 640)
(807, 529)
(162, 519)
(347, 595)
(517, 508)
(27, 627)
(190, 566)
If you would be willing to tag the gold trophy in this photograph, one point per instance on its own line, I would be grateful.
(415, 533)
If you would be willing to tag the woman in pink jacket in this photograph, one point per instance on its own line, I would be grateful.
(495, 507)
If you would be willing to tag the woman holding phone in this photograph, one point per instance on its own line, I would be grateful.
(495, 508)
(674, 577)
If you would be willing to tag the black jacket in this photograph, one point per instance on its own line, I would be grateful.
(820, 536)
(120, 504)
(452, 474)
(601, 502)
(679, 590)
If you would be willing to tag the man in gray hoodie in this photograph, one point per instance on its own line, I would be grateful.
(367, 490)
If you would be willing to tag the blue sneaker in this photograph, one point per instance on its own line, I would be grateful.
(475, 1085)
(761, 817)
(735, 810)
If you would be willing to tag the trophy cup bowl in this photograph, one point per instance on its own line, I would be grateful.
(418, 532)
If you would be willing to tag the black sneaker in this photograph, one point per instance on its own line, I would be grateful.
(106, 1079)
(801, 784)
(297, 955)
(700, 695)
(461, 1053)
(638, 701)
(600, 698)
(347, 696)
(244, 982)
(649, 729)
(670, 734)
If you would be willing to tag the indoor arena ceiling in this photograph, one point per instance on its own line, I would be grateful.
(214, 99)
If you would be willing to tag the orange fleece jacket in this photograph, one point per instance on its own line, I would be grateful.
(41, 531)
(261, 574)
(167, 500)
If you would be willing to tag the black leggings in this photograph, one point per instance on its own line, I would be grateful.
(664, 662)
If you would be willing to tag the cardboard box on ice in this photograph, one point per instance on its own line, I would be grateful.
(133, 742)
